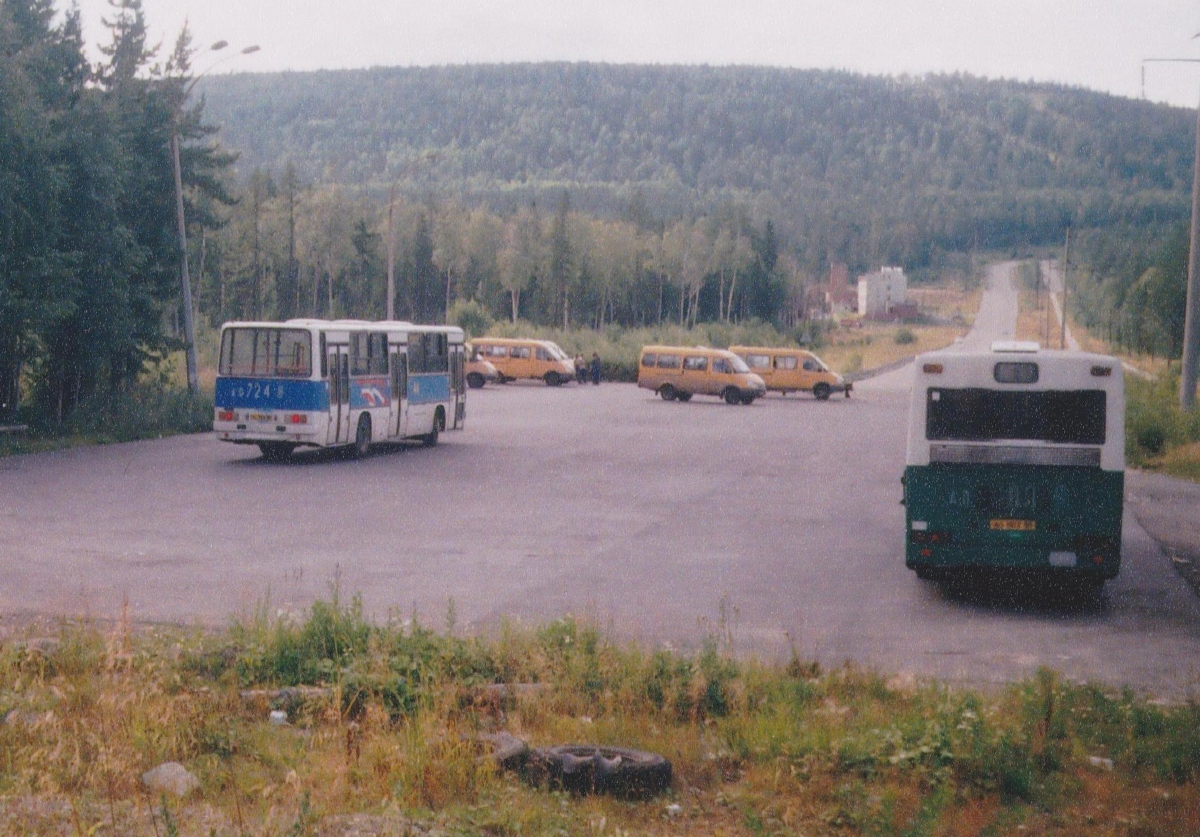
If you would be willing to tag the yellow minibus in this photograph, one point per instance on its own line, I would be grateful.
(792, 370)
(678, 373)
(517, 357)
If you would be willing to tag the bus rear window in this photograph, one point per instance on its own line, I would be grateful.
(978, 415)
(266, 353)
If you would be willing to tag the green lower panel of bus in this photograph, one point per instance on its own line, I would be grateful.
(1014, 516)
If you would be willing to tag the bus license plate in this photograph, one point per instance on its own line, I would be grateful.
(261, 417)
(1005, 525)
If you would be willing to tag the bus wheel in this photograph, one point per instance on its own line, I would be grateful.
(684, 396)
(732, 396)
(666, 392)
(552, 379)
(362, 437)
(821, 391)
(474, 380)
(747, 400)
(276, 451)
(439, 424)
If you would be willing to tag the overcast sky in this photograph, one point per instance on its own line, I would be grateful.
(1098, 44)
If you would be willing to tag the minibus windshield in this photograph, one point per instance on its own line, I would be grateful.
(738, 364)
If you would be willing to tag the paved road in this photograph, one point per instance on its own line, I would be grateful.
(773, 524)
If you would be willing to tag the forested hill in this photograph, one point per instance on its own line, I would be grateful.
(845, 165)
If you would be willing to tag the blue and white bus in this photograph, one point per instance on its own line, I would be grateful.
(322, 383)
(1016, 460)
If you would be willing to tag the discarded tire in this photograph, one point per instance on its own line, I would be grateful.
(587, 768)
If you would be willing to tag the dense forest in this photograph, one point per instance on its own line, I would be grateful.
(88, 242)
(558, 194)
(865, 170)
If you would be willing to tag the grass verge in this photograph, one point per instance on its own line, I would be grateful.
(387, 742)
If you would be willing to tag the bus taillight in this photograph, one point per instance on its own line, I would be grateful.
(297, 418)
(225, 415)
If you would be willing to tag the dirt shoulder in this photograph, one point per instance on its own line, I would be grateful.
(1169, 510)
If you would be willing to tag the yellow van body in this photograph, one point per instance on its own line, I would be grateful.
(516, 357)
(792, 370)
(679, 372)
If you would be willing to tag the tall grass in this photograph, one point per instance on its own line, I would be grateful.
(389, 730)
(1157, 432)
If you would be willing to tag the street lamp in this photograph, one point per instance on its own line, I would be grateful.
(189, 323)
(428, 156)
(1190, 362)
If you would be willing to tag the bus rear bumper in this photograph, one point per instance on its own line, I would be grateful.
(1078, 561)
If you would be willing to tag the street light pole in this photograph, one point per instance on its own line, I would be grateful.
(1190, 361)
(189, 321)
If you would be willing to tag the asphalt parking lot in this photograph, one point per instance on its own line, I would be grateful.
(761, 528)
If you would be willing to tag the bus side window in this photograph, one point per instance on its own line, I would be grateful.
(695, 364)
(785, 362)
(416, 353)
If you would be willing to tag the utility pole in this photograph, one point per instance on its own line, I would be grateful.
(1191, 322)
(1190, 362)
(1062, 335)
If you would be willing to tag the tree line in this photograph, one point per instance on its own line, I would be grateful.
(88, 247)
(287, 249)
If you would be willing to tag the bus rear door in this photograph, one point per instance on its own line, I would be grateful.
(399, 383)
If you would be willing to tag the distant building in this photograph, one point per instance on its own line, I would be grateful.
(840, 296)
(883, 295)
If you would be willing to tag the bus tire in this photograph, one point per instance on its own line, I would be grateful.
(475, 380)
(276, 451)
(748, 399)
(821, 391)
(586, 768)
(552, 379)
(430, 439)
(666, 392)
(362, 437)
(684, 396)
(732, 396)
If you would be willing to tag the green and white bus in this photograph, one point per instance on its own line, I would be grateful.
(1016, 460)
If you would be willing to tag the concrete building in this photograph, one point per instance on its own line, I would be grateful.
(883, 295)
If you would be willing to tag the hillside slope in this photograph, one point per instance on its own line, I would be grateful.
(900, 166)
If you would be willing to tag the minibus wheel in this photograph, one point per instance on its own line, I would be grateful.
(732, 396)
(475, 380)
(666, 392)
(821, 391)
(684, 396)
(362, 437)
(748, 399)
(552, 379)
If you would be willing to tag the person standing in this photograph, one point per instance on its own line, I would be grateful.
(596, 368)
(581, 369)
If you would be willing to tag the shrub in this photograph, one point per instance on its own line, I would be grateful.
(904, 336)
